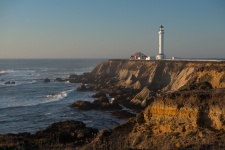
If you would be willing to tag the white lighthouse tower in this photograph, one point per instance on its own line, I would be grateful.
(161, 55)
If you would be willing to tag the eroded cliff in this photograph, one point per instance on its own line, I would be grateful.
(162, 75)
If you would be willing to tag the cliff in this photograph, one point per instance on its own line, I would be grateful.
(162, 75)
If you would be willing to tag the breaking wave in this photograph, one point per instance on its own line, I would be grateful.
(6, 71)
(50, 98)
(56, 97)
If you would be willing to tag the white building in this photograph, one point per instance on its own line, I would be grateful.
(161, 55)
(175, 58)
(150, 58)
(138, 56)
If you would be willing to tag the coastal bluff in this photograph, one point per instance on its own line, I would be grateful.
(162, 75)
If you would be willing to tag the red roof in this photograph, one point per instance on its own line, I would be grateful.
(138, 53)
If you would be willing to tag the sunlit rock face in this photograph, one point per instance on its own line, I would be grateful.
(161, 75)
(186, 111)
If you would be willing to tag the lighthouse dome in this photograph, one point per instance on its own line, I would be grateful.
(161, 28)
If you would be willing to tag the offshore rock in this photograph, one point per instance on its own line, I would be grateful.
(84, 105)
(47, 80)
(10, 83)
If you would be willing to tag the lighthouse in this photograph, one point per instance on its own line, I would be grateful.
(161, 55)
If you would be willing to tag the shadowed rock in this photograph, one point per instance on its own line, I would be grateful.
(82, 87)
(99, 94)
(47, 80)
(84, 105)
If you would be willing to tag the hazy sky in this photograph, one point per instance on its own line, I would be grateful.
(111, 28)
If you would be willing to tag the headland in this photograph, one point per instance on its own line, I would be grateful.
(178, 105)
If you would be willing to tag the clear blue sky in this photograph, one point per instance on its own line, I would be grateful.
(111, 28)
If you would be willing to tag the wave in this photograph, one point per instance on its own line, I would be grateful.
(50, 98)
(56, 97)
(26, 82)
(6, 71)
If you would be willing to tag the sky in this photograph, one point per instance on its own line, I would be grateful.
(111, 28)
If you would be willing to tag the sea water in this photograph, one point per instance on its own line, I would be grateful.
(31, 104)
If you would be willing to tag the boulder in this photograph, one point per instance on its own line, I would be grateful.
(46, 80)
(68, 132)
(103, 99)
(84, 105)
(140, 118)
(82, 87)
(8, 82)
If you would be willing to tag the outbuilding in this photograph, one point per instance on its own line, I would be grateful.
(138, 56)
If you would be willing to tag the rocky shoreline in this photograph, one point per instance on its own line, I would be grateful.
(175, 105)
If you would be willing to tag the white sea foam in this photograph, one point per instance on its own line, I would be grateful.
(6, 71)
(67, 82)
(50, 98)
(56, 97)
(46, 114)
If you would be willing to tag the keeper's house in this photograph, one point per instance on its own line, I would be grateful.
(138, 56)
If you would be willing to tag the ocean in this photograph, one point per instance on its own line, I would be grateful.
(30, 105)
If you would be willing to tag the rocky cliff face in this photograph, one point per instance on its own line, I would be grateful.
(185, 104)
(162, 75)
(187, 111)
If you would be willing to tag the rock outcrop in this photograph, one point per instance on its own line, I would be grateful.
(61, 135)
